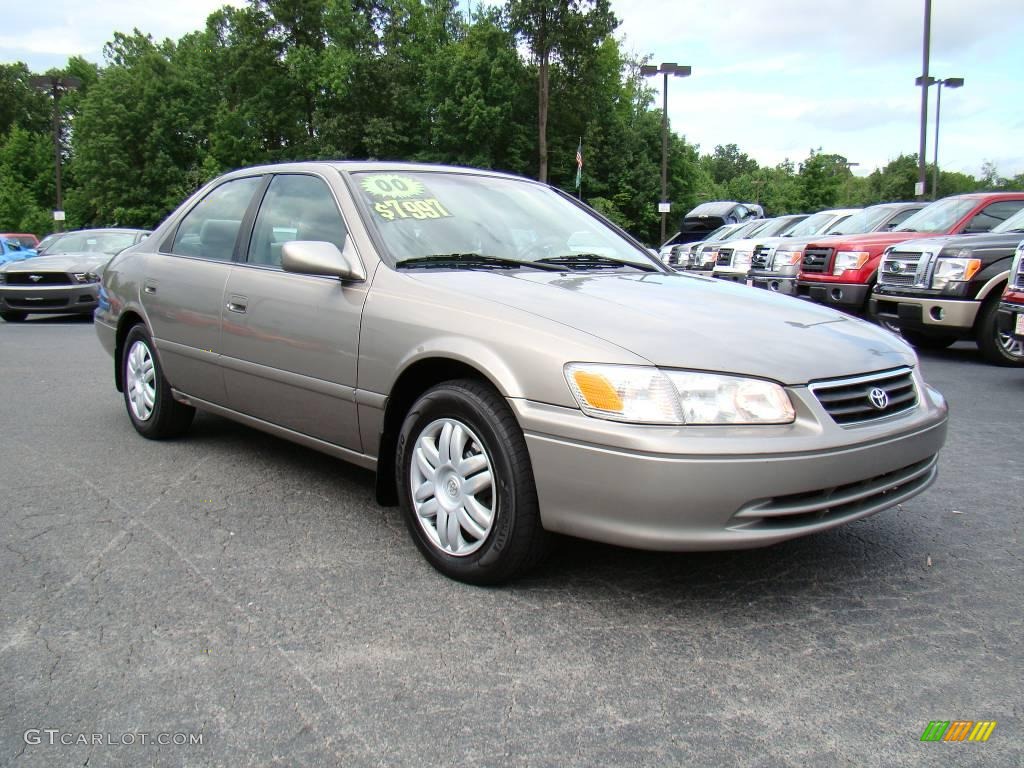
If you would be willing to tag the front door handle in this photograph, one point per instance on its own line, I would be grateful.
(149, 286)
(237, 304)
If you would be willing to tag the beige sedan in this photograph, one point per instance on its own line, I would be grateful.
(511, 364)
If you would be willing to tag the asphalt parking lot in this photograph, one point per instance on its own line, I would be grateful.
(236, 587)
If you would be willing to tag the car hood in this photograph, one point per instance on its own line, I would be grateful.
(683, 321)
(61, 262)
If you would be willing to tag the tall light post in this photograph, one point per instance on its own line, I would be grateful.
(949, 82)
(666, 69)
(56, 85)
(924, 82)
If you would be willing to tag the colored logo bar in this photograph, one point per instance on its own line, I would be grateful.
(958, 730)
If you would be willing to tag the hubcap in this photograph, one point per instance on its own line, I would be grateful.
(141, 380)
(452, 487)
(1013, 347)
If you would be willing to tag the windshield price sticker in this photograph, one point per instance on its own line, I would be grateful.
(428, 208)
(401, 197)
(392, 186)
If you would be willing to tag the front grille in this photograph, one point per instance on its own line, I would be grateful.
(816, 259)
(851, 500)
(45, 278)
(851, 401)
(36, 303)
(1018, 281)
(901, 268)
(761, 258)
(724, 257)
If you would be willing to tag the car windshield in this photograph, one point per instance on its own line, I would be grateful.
(92, 242)
(450, 219)
(867, 220)
(12, 245)
(47, 242)
(1013, 224)
(25, 240)
(812, 225)
(721, 233)
(940, 216)
(779, 226)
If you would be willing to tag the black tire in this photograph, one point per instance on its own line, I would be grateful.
(927, 341)
(515, 541)
(168, 418)
(994, 340)
(14, 317)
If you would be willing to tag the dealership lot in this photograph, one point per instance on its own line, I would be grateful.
(238, 587)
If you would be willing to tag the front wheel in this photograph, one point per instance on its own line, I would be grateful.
(147, 395)
(466, 485)
(994, 339)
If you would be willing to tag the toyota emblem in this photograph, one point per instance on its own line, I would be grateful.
(879, 398)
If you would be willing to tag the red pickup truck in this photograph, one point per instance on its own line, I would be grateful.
(841, 271)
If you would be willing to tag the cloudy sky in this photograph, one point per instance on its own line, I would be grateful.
(776, 77)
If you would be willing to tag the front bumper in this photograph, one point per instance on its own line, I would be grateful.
(50, 299)
(731, 276)
(781, 281)
(850, 297)
(705, 488)
(926, 312)
(1009, 315)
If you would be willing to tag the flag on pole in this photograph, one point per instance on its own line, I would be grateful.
(579, 164)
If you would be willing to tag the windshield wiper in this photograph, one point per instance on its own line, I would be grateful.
(470, 260)
(595, 260)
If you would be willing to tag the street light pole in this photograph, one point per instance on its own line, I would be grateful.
(921, 172)
(949, 82)
(664, 153)
(57, 85)
(666, 69)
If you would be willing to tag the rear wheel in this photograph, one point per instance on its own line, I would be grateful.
(147, 395)
(994, 339)
(466, 484)
(14, 317)
(927, 341)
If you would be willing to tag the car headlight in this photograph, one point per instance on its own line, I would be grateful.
(787, 258)
(1016, 276)
(742, 257)
(86, 277)
(954, 270)
(648, 395)
(849, 260)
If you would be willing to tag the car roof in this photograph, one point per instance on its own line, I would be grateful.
(385, 166)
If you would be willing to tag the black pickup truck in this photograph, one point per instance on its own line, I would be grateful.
(943, 289)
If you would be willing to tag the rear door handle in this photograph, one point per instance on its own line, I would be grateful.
(149, 286)
(237, 304)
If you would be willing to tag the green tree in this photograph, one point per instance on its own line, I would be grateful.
(727, 162)
(557, 30)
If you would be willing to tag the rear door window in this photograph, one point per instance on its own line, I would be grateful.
(210, 229)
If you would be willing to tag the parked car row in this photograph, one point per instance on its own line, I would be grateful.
(935, 273)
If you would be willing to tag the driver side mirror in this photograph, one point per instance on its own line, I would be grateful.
(316, 257)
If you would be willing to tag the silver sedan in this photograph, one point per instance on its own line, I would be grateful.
(511, 365)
